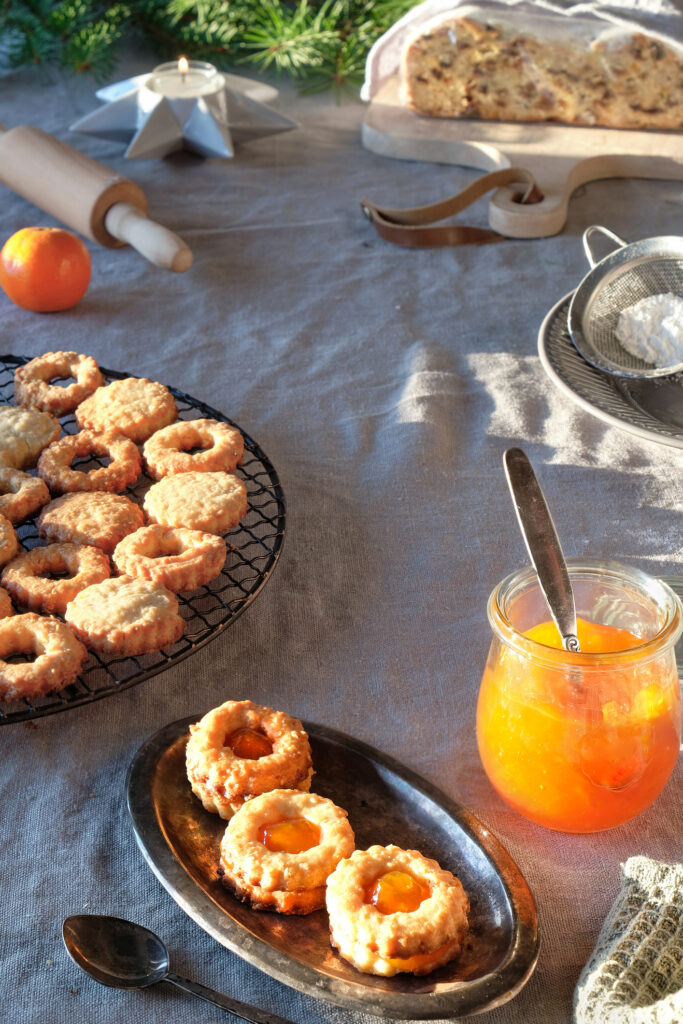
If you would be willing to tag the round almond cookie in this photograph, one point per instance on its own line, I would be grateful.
(23, 435)
(21, 494)
(9, 544)
(58, 656)
(279, 849)
(134, 407)
(90, 517)
(32, 381)
(27, 577)
(125, 616)
(168, 450)
(5, 604)
(394, 910)
(214, 502)
(176, 558)
(239, 750)
(123, 468)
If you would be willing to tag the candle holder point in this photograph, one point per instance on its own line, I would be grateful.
(154, 125)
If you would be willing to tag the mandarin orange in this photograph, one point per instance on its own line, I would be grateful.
(44, 269)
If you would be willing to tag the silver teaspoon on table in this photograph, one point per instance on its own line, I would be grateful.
(121, 954)
(542, 543)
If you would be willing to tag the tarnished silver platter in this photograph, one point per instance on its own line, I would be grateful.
(386, 803)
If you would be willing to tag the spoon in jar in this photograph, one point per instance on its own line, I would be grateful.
(121, 954)
(542, 543)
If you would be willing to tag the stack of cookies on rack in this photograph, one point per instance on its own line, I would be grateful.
(106, 577)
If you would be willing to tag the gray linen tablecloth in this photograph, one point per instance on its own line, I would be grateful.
(384, 384)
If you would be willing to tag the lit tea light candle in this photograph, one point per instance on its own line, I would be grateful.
(185, 79)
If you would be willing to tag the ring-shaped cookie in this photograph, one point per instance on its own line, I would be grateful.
(386, 942)
(279, 849)
(21, 494)
(59, 656)
(223, 780)
(90, 517)
(5, 604)
(134, 407)
(9, 543)
(54, 464)
(125, 616)
(168, 450)
(214, 502)
(24, 577)
(32, 381)
(175, 558)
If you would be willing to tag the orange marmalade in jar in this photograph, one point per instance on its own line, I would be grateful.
(580, 742)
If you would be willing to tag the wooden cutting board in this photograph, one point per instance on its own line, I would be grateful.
(561, 157)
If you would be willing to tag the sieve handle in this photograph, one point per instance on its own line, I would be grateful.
(603, 231)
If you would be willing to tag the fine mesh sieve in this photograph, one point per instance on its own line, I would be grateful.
(634, 271)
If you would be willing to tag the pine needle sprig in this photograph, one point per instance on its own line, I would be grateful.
(27, 33)
(93, 46)
(292, 39)
(320, 43)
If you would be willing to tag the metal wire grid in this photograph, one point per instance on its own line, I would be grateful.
(657, 275)
(605, 392)
(253, 549)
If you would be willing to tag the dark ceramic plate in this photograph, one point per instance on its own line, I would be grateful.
(387, 803)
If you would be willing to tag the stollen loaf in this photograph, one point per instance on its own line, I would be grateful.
(501, 65)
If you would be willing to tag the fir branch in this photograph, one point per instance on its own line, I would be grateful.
(93, 46)
(27, 33)
(320, 43)
(292, 39)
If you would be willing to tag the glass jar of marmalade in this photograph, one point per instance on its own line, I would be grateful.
(581, 742)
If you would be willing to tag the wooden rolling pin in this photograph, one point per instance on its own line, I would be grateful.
(86, 196)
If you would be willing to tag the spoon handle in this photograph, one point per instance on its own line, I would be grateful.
(243, 1010)
(542, 544)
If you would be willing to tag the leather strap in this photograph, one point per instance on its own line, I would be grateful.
(414, 226)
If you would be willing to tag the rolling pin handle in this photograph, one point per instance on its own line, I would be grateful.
(153, 241)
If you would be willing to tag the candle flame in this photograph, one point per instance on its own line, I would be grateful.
(183, 65)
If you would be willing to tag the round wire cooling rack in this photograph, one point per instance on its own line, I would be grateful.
(254, 547)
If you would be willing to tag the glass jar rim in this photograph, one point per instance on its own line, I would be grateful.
(650, 586)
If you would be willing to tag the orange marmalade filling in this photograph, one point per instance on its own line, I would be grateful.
(417, 962)
(293, 835)
(395, 892)
(577, 749)
(249, 743)
(594, 637)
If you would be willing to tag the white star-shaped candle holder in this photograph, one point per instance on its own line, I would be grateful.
(183, 105)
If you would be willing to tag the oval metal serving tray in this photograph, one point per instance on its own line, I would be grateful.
(386, 803)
